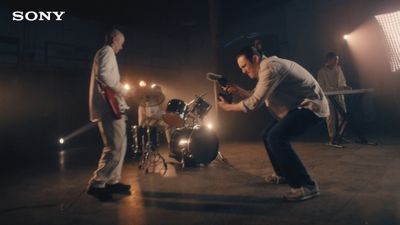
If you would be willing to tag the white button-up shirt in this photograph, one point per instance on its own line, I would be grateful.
(284, 85)
(105, 69)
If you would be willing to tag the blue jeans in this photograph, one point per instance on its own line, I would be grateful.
(277, 136)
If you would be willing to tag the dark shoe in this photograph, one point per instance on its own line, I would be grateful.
(119, 188)
(100, 193)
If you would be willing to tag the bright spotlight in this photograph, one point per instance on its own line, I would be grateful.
(346, 37)
(142, 83)
(127, 87)
(390, 24)
(210, 126)
(183, 142)
(77, 132)
(153, 85)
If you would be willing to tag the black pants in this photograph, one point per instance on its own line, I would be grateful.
(277, 136)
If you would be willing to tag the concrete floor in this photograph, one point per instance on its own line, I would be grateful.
(359, 185)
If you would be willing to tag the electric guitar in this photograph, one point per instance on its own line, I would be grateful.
(112, 101)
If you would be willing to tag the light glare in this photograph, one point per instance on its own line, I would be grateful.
(142, 83)
(390, 24)
(127, 87)
(183, 142)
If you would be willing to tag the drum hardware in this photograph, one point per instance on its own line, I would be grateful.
(181, 114)
(200, 107)
(139, 139)
(176, 113)
(219, 82)
(151, 156)
(192, 144)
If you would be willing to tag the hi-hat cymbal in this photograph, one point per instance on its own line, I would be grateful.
(150, 96)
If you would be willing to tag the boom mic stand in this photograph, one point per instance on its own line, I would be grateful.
(214, 78)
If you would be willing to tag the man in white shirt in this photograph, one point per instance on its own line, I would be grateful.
(331, 78)
(105, 72)
(297, 102)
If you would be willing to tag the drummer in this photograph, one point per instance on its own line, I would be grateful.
(150, 113)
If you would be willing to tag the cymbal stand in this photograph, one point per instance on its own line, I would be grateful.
(220, 156)
(151, 156)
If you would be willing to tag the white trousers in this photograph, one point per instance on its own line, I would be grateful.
(113, 134)
(334, 118)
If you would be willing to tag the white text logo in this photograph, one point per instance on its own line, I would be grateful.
(34, 16)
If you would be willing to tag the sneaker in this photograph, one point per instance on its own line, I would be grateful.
(275, 179)
(302, 193)
(101, 194)
(334, 145)
(119, 188)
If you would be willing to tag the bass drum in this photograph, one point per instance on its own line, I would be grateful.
(195, 146)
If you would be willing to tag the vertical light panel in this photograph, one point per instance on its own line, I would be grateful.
(390, 24)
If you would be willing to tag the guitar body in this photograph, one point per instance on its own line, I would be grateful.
(112, 102)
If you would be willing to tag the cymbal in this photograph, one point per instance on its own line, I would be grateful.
(149, 96)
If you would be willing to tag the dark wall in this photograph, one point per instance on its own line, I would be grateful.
(45, 71)
(304, 31)
(45, 67)
(317, 27)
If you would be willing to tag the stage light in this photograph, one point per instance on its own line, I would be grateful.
(210, 126)
(183, 142)
(142, 83)
(390, 24)
(127, 87)
(77, 132)
(153, 85)
(346, 37)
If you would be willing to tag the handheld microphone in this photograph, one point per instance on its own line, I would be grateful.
(217, 77)
(223, 82)
(214, 76)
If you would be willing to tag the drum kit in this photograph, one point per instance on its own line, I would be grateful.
(192, 143)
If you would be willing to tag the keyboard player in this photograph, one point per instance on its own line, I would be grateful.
(331, 78)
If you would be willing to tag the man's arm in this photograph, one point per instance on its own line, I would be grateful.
(236, 107)
(238, 91)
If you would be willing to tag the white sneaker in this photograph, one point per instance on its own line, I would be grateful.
(302, 193)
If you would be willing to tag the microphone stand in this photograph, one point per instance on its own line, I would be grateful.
(220, 156)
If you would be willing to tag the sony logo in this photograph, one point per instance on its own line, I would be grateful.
(34, 16)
